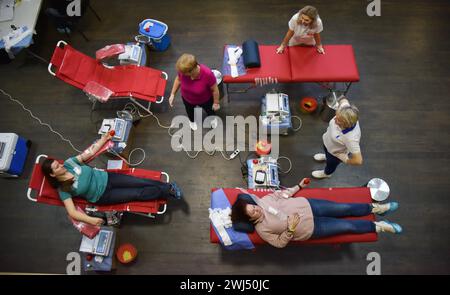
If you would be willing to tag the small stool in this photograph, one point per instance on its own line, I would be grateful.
(379, 189)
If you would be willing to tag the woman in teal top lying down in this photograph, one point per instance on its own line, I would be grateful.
(75, 178)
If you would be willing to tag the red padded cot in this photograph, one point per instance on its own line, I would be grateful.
(303, 64)
(343, 195)
(46, 194)
(135, 82)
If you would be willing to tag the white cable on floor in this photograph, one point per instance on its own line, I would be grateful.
(66, 140)
(290, 165)
(301, 123)
(129, 157)
(133, 109)
(39, 120)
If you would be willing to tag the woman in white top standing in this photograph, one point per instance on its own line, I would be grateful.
(341, 140)
(304, 29)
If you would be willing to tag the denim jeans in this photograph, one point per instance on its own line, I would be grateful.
(123, 188)
(332, 162)
(327, 222)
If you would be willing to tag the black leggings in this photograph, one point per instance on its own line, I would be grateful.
(123, 188)
(207, 106)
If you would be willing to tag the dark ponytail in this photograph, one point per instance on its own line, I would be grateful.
(46, 167)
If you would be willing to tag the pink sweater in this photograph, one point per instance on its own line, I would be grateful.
(198, 91)
(273, 230)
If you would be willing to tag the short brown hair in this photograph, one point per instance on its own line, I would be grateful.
(186, 63)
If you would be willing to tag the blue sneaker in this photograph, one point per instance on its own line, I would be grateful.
(383, 209)
(389, 227)
(176, 190)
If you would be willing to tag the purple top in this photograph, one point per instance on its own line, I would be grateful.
(197, 91)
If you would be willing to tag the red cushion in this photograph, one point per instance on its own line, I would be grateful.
(303, 64)
(272, 65)
(342, 195)
(336, 65)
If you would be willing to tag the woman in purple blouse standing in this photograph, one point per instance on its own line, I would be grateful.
(198, 88)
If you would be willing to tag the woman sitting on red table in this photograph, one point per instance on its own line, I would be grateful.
(308, 218)
(304, 29)
(74, 178)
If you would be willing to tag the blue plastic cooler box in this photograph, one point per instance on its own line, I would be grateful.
(13, 153)
(157, 32)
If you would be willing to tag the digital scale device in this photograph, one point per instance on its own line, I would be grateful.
(263, 173)
(99, 245)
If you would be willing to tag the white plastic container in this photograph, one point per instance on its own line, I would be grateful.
(9, 140)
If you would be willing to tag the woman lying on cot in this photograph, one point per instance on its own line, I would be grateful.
(74, 178)
(304, 29)
(278, 218)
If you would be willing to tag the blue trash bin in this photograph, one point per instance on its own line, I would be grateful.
(157, 32)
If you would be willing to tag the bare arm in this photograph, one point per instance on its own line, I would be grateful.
(175, 87)
(285, 41)
(93, 149)
(343, 101)
(215, 93)
(77, 215)
(355, 159)
(287, 193)
(318, 43)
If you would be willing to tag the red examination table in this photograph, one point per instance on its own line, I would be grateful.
(46, 194)
(123, 81)
(344, 195)
(303, 64)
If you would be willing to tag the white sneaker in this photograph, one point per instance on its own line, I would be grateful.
(388, 227)
(320, 157)
(214, 123)
(320, 174)
(193, 126)
(383, 209)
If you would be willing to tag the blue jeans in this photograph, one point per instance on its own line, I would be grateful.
(332, 162)
(327, 223)
(123, 188)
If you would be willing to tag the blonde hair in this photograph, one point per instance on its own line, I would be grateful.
(311, 12)
(348, 115)
(186, 63)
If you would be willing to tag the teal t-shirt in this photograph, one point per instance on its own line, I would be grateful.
(89, 183)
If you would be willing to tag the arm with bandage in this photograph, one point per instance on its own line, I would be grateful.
(94, 148)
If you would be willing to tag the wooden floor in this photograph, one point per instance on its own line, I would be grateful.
(403, 59)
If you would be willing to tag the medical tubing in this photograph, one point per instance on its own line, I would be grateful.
(129, 156)
(130, 107)
(301, 123)
(290, 165)
(39, 120)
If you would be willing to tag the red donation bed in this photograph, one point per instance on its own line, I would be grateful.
(303, 64)
(343, 195)
(44, 193)
(123, 81)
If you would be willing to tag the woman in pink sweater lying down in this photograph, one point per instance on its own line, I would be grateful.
(278, 218)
